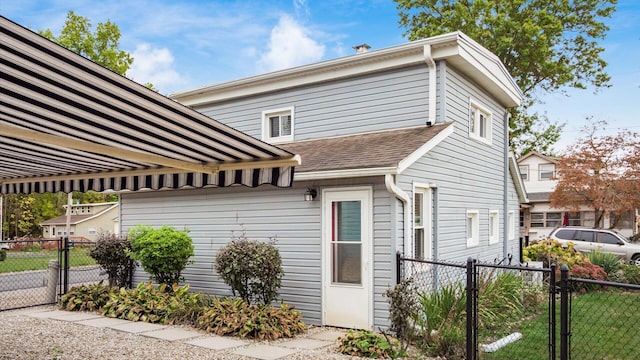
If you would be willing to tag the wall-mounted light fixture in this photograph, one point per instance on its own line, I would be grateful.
(310, 194)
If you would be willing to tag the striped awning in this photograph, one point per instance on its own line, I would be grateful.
(68, 124)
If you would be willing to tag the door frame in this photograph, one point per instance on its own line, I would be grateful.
(368, 282)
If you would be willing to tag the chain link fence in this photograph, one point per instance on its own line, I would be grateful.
(37, 271)
(604, 320)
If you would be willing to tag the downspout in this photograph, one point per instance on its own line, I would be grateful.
(390, 183)
(431, 65)
(505, 205)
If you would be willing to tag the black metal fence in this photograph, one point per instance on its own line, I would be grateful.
(38, 271)
(478, 310)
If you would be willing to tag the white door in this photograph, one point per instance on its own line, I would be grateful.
(347, 243)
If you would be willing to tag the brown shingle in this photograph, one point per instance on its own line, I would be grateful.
(379, 149)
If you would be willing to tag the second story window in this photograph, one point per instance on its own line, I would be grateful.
(547, 171)
(524, 172)
(479, 122)
(277, 125)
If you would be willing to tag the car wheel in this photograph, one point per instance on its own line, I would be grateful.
(635, 259)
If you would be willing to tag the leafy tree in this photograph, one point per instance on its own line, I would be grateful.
(601, 172)
(544, 44)
(101, 46)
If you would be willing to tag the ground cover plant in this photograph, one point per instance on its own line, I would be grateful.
(222, 316)
(365, 343)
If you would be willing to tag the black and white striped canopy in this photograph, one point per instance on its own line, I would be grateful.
(68, 124)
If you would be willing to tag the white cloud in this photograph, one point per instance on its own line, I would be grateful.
(301, 7)
(290, 45)
(155, 66)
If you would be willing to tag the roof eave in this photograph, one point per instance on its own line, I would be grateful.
(470, 57)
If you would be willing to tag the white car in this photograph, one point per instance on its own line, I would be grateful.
(587, 240)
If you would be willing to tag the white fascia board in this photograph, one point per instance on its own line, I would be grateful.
(514, 170)
(342, 174)
(422, 150)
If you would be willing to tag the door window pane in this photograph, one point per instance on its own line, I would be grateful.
(346, 241)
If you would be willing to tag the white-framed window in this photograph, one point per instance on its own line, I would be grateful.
(473, 228)
(92, 231)
(422, 222)
(277, 125)
(494, 226)
(480, 120)
(546, 219)
(511, 225)
(547, 171)
(524, 172)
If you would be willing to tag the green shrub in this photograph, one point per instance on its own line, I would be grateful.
(236, 317)
(629, 273)
(86, 297)
(552, 252)
(3, 254)
(111, 253)
(252, 269)
(156, 305)
(365, 343)
(499, 299)
(607, 261)
(163, 252)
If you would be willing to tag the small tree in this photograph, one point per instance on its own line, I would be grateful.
(601, 172)
(111, 253)
(163, 252)
(252, 269)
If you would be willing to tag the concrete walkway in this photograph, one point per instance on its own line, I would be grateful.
(250, 349)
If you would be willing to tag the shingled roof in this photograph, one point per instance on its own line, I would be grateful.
(371, 150)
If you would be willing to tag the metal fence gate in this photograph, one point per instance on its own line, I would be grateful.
(38, 271)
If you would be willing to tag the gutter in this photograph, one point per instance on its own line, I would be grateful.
(431, 65)
(390, 183)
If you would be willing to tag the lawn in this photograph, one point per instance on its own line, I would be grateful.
(23, 261)
(604, 325)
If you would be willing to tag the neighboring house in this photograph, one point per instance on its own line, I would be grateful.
(403, 149)
(87, 221)
(539, 176)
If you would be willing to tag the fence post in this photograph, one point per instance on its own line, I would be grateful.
(52, 280)
(552, 312)
(564, 312)
(65, 264)
(398, 267)
(471, 334)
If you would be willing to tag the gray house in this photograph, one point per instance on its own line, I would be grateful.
(403, 149)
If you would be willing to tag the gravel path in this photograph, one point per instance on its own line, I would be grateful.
(29, 338)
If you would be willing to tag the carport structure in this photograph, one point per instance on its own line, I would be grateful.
(68, 124)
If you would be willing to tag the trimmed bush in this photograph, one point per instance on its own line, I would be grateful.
(236, 317)
(3, 254)
(163, 252)
(552, 252)
(252, 269)
(111, 253)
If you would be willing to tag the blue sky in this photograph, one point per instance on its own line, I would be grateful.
(183, 44)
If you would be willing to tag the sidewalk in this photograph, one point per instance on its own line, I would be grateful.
(242, 348)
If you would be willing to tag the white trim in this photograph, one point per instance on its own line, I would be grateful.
(474, 239)
(266, 137)
(494, 223)
(511, 225)
(427, 219)
(464, 53)
(517, 180)
(479, 107)
(392, 188)
(422, 150)
(341, 174)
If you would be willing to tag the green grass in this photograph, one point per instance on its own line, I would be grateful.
(24, 261)
(604, 325)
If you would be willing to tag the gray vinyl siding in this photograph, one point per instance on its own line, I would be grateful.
(380, 101)
(211, 215)
(469, 174)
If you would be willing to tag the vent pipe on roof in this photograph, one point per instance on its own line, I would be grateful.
(361, 49)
